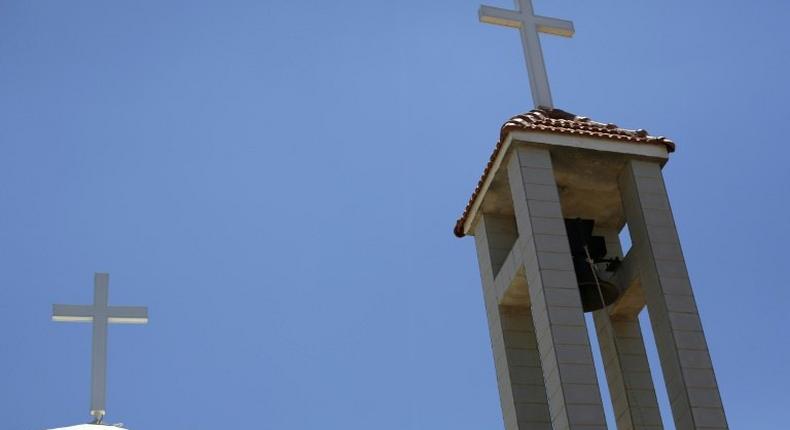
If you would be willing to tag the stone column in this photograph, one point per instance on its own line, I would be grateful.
(519, 376)
(625, 359)
(628, 373)
(685, 361)
(565, 355)
(523, 362)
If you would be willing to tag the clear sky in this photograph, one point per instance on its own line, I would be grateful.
(278, 182)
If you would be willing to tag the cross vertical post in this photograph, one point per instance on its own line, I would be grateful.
(530, 25)
(100, 314)
(99, 345)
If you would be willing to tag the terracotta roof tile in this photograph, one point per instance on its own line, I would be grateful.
(559, 121)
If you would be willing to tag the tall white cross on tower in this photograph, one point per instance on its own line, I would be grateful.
(100, 314)
(530, 25)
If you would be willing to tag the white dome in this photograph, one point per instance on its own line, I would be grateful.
(88, 427)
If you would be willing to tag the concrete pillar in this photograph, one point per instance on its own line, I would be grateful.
(628, 373)
(568, 370)
(526, 375)
(520, 379)
(685, 361)
(625, 360)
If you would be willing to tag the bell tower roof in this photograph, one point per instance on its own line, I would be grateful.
(560, 121)
(557, 127)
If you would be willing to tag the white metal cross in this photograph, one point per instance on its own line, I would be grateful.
(530, 25)
(100, 314)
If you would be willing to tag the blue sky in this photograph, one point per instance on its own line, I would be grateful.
(278, 182)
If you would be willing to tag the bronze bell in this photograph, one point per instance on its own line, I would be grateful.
(588, 252)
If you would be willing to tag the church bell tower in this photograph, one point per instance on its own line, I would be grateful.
(546, 217)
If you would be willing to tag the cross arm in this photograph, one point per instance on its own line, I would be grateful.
(128, 314)
(495, 15)
(72, 313)
(557, 27)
